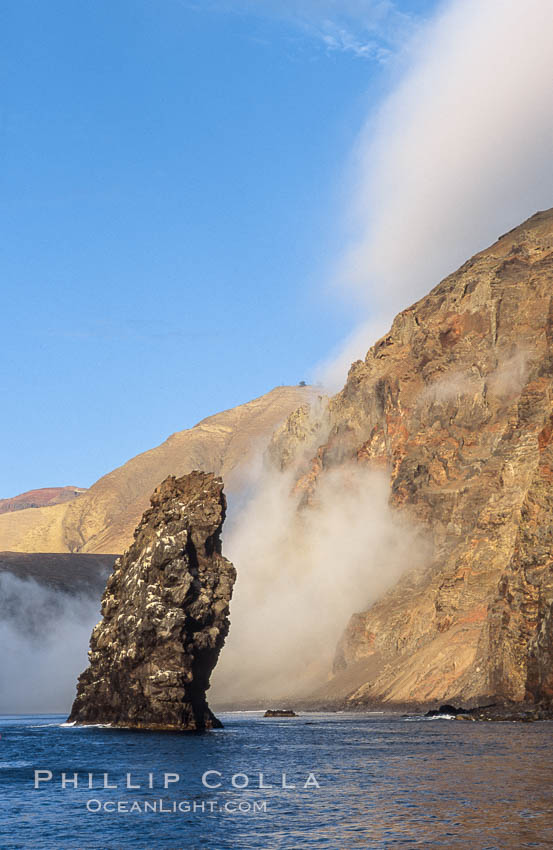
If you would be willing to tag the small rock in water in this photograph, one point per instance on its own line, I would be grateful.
(280, 712)
(449, 710)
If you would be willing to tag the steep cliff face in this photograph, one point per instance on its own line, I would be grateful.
(456, 404)
(165, 616)
(520, 619)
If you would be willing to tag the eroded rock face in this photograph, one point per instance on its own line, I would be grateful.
(456, 403)
(165, 615)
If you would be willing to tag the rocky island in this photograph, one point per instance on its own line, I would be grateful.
(165, 616)
(455, 405)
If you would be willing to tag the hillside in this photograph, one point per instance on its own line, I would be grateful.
(456, 404)
(103, 519)
(42, 498)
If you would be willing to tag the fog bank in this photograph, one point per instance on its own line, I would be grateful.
(44, 635)
(302, 573)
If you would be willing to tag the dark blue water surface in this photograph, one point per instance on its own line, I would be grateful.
(385, 781)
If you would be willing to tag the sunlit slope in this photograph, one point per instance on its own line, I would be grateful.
(102, 520)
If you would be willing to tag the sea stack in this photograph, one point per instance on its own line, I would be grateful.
(165, 616)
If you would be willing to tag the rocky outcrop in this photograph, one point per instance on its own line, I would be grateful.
(165, 616)
(456, 404)
(103, 519)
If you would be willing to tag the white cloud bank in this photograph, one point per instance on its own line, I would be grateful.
(458, 153)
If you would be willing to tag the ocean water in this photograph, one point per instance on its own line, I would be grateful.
(361, 781)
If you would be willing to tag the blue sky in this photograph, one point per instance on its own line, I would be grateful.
(172, 180)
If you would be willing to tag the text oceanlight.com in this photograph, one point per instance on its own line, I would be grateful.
(244, 807)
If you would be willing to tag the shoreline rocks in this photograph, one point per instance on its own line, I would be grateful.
(506, 712)
(446, 711)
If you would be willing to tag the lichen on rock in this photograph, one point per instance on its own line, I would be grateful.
(165, 616)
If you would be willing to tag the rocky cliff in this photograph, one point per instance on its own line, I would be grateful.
(102, 520)
(456, 404)
(165, 616)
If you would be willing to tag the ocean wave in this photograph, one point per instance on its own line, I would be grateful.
(7, 765)
(424, 719)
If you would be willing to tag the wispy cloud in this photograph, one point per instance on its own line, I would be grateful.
(344, 41)
(369, 29)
